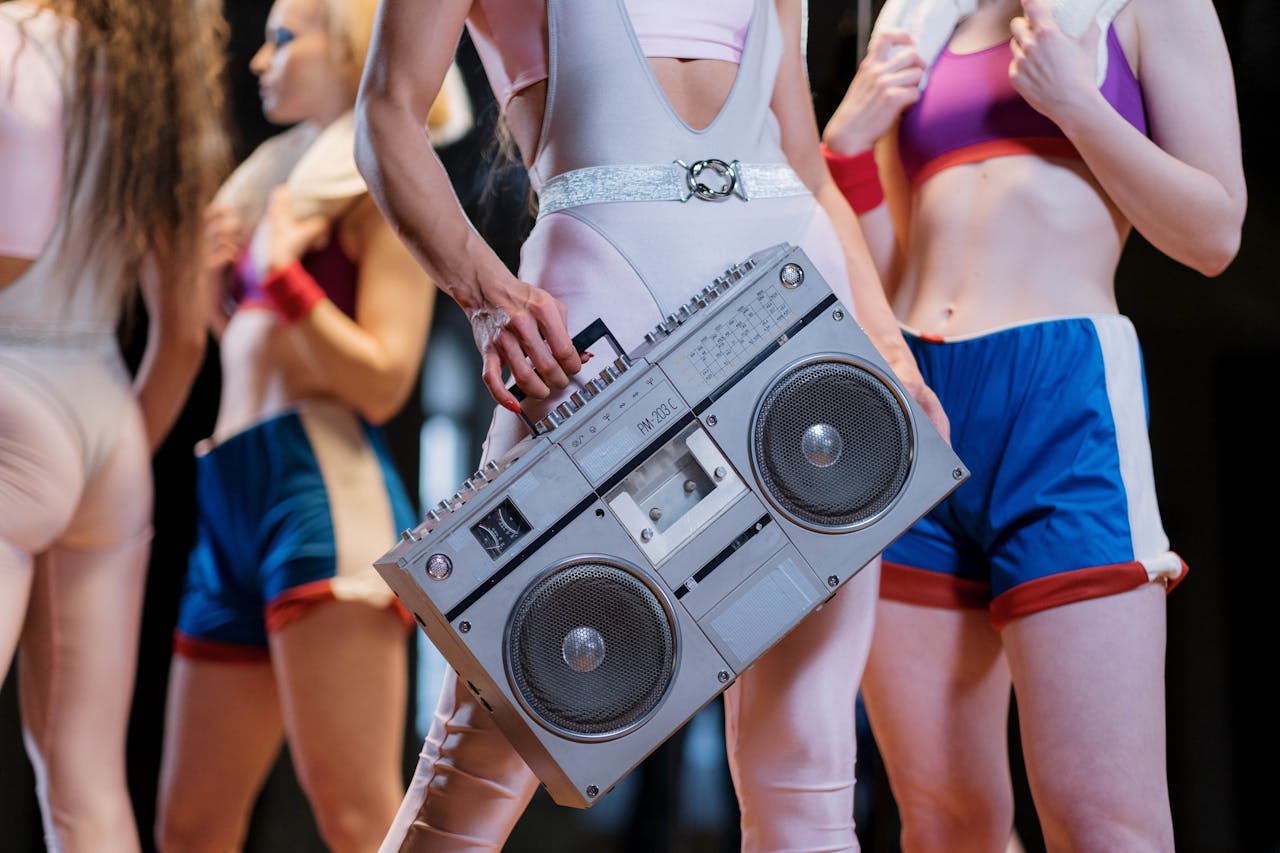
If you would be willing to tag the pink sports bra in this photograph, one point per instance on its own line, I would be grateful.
(969, 111)
(510, 36)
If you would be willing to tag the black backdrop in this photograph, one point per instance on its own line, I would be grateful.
(1211, 347)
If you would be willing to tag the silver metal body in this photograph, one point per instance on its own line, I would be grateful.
(612, 574)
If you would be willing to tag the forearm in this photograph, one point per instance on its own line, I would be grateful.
(414, 193)
(372, 377)
(169, 365)
(869, 299)
(1183, 211)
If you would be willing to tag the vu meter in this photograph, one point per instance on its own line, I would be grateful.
(499, 529)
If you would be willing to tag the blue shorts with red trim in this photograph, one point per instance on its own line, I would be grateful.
(290, 512)
(1051, 419)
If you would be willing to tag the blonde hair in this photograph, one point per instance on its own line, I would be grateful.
(350, 26)
(148, 90)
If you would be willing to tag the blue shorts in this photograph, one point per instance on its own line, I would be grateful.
(1051, 419)
(290, 512)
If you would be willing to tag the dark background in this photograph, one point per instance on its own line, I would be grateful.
(1211, 347)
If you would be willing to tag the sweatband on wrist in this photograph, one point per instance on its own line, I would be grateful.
(293, 291)
(857, 177)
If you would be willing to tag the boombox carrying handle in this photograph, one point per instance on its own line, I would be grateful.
(594, 331)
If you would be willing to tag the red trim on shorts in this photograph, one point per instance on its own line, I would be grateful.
(1043, 146)
(932, 589)
(1070, 587)
(297, 601)
(212, 650)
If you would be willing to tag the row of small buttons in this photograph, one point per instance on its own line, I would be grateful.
(699, 301)
(579, 398)
(470, 487)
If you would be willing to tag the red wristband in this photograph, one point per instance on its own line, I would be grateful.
(857, 177)
(293, 291)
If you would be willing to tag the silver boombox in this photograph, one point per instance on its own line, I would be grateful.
(673, 519)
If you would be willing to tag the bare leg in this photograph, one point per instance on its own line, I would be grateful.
(470, 786)
(937, 694)
(342, 671)
(222, 735)
(789, 727)
(1090, 682)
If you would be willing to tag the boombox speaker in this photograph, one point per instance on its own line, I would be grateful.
(670, 521)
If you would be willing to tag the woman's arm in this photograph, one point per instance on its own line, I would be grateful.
(516, 325)
(794, 108)
(175, 348)
(1184, 188)
(369, 363)
(886, 84)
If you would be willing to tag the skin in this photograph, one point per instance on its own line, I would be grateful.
(335, 682)
(413, 45)
(1007, 241)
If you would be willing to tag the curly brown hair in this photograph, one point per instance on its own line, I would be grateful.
(148, 109)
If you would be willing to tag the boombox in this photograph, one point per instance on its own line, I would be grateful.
(670, 521)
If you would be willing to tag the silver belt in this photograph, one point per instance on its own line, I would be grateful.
(708, 180)
(14, 334)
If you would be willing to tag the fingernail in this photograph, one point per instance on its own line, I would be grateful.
(586, 356)
(512, 406)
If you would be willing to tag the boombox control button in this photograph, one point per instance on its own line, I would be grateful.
(439, 567)
(791, 276)
(544, 426)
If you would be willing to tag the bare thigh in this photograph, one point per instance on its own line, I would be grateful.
(342, 674)
(937, 693)
(1091, 703)
(222, 735)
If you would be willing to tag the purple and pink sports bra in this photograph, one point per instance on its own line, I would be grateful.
(969, 111)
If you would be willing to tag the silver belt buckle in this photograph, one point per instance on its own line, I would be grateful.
(728, 173)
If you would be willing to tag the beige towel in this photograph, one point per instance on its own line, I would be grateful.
(318, 166)
(931, 22)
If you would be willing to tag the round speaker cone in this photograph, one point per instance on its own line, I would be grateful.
(831, 443)
(590, 649)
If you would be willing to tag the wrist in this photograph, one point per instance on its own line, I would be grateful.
(857, 177)
(292, 291)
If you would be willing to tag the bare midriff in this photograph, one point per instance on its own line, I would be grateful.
(1005, 241)
(265, 371)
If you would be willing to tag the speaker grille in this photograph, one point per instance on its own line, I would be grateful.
(831, 443)
(590, 649)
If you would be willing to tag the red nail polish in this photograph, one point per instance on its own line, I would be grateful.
(586, 356)
(512, 406)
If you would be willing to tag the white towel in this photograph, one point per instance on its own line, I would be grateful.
(931, 23)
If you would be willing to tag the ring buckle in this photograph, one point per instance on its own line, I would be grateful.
(727, 172)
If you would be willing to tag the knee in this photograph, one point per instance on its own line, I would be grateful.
(956, 818)
(186, 830)
(1089, 824)
(350, 816)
